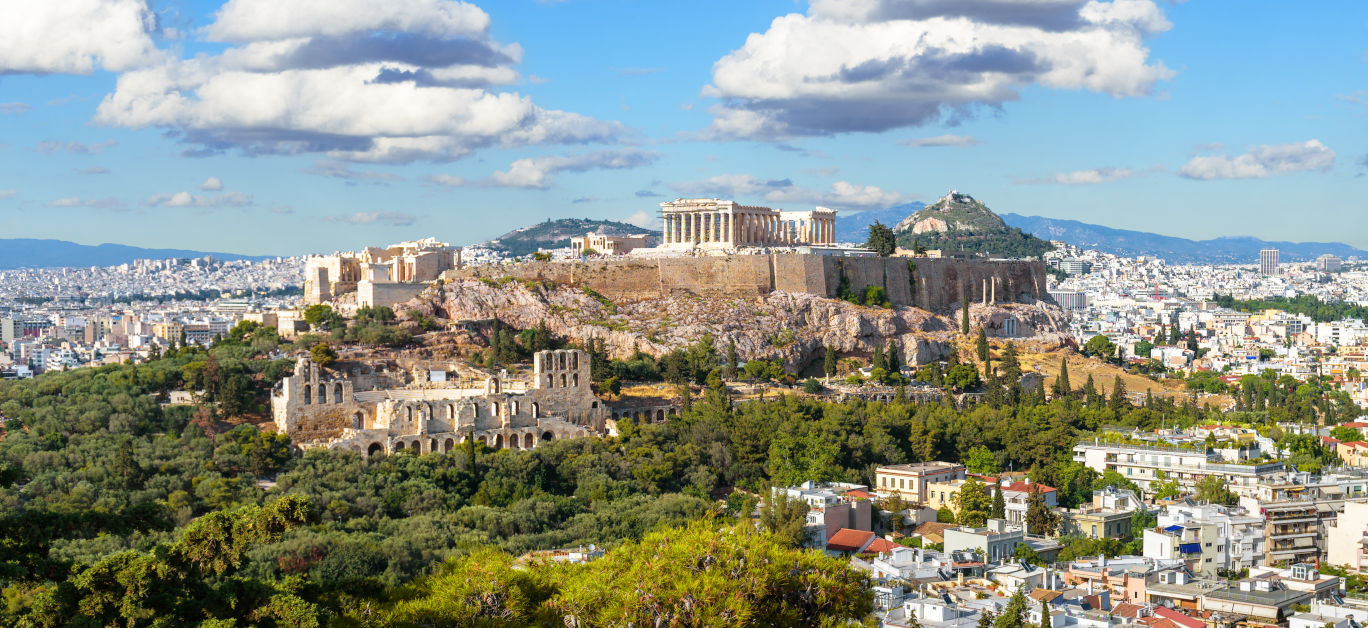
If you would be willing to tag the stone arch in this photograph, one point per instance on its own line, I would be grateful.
(375, 448)
(323, 394)
(432, 445)
(593, 404)
(514, 410)
(410, 413)
(536, 410)
(674, 412)
(451, 411)
(547, 437)
(337, 392)
(450, 443)
(574, 379)
(660, 415)
(476, 408)
(498, 441)
(562, 380)
(494, 409)
(513, 442)
(527, 441)
(308, 394)
(497, 385)
(615, 416)
(358, 420)
(399, 446)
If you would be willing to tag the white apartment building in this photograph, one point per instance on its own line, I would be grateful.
(1147, 465)
(1208, 537)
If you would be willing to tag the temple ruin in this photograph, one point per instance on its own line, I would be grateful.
(434, 410)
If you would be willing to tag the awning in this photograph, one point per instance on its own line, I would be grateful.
(1189, 548)
(1174, 528)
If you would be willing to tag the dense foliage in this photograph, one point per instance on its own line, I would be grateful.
(1307, 304)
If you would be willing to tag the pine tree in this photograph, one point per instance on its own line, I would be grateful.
(964, 322)
(1090, 391)
(1044, 615)
(732, 360)
(894, 360)
(999, 510)
(878, 361)
(1062, 387)
(829, 362)
(881, 239)
(1118, 396)
(981, 345)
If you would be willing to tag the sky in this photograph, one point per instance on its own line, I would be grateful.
(281, 127)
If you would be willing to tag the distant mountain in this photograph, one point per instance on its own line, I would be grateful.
(1226, 250)
(959, 222)
(855, 227)
(32, 253)
(554, 234)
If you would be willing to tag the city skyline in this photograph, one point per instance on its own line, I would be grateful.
(247, 126)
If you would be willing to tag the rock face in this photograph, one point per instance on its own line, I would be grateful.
(954, 212)
(790, 327)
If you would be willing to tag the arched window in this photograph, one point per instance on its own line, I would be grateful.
(450, 442)
(527, 441)
(323, 393)
(337, 393)
(536, 409)
(494, 409)
(308, 394)
(514, 410)
(498, 441)
(562, 380)
(358, 420)
(374, 448)
(399, 446)
(410, 414)
(574, 380)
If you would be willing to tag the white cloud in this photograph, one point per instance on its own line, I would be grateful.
(394, 219)
(1085, 177)
(4, 194)
(14, 108)
(873, 65)
(186, 199)
(644, 219)
(75, 36)
(1262, 161)
(539, 172)
(941, 140)
(341, 170)
(93, 170)
(75, 201)
(75, 148)
(445, 180)
(256, 20)
(212, 184)
(354, 80)
(744, 186)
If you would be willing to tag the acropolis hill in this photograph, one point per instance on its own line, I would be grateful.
(935, 284)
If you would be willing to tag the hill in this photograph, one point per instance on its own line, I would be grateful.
(35, 253)
(855, 227)
(1226, 250)
(959, 222)
(557, 233)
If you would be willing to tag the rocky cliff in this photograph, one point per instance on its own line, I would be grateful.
(777, 325)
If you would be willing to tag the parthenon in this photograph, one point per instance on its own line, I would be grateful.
(714, 223)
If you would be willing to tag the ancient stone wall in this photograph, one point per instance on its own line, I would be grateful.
(929, 283)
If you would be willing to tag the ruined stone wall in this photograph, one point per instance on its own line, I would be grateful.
(935, 284)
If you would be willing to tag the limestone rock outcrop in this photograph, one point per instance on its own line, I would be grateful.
(791, 327)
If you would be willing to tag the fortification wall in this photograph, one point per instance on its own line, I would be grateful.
(932, 284)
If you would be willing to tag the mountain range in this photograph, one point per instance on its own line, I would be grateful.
(35, 253)
(1224, 250)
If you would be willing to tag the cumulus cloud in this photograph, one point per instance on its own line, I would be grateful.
(941, 140)
(14, 108)
(75, 148)
(186, 199)
(4, 194)
(76, 36)
(1262, 161)
(539, 172)
(354, 80)
(393, 219)
(841, 195)
(1085, 177)
(644, 219)
(874, 65)
(212, 184)
(75, 201)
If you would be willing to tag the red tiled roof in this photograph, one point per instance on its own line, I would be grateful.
(1358, 424)
(1356, 444)
(881, 546)
(847, 540)
(1178, 618)
(860, 494)
(1126, 609)
(1023, 487)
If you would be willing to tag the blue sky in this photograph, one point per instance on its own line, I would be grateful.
(290, 126)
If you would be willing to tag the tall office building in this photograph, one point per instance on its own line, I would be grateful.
(1329, 263)
(1268, 262)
